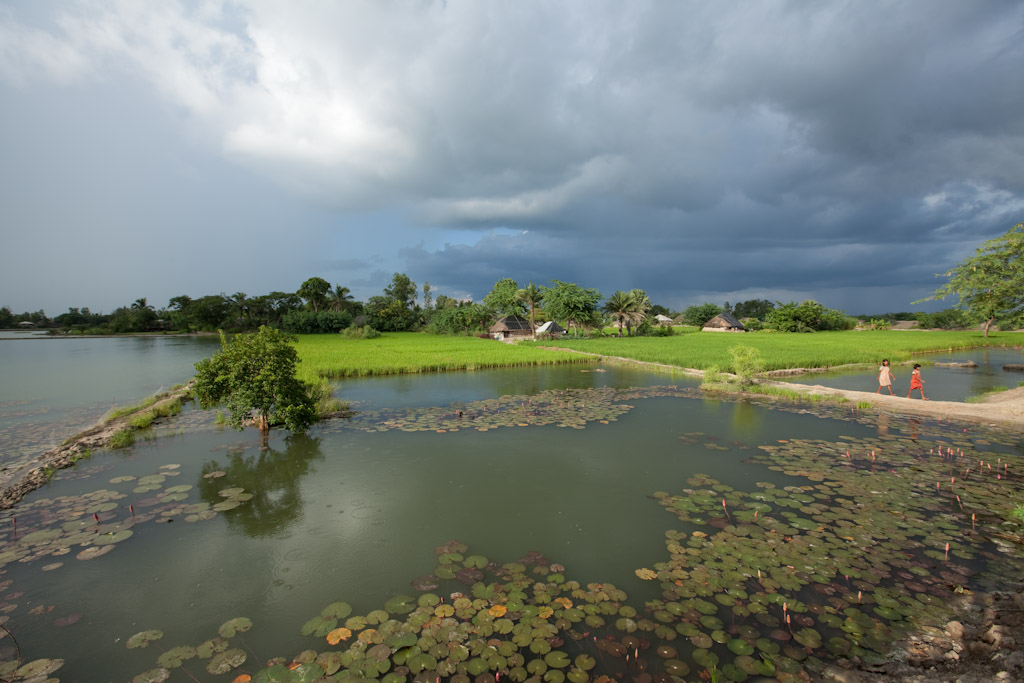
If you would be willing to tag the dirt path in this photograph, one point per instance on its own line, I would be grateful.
(1005, 408)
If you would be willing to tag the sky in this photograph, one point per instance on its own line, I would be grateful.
(845, 152)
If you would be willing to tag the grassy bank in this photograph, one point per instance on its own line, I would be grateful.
(333, 356)
(702, 350)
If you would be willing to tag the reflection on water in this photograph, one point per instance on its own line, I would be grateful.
(274, 478)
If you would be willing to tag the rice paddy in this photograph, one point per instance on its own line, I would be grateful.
(335, 357)
(703, 350)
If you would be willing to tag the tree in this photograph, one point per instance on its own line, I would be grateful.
(340, 298)
(990, 284)
(396, 311)
(402, 290)
(808, 316)
(619, 305)
(569, 302)
(641, 305)
(503, 298)
(753, 308)
(698, 315)
(254, 376)
(531, 295)
(314, 291)
(426, 296)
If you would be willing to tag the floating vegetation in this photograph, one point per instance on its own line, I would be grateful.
(857, 541)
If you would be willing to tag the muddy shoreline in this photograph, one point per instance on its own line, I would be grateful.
(37, 472)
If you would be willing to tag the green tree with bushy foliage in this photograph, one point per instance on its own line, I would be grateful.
(254, 376)
(948, 319)
(576, 305)
(309, 322)
(504, 299)
(990, 284)
(462, 319)
(698, 315)
(396, 310)
(807, 316)
(753, 308)
(314, 291)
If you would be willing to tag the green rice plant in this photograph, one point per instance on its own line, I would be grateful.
(863, 405)
(701, 350)
(221, 420)
(334, 356)
(122, 438)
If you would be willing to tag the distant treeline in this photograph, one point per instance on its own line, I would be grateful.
(318, 307)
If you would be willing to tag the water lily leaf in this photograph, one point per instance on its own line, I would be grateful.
(237, 625)
(93, 552)
(329, 662)
(40, 667)
(740, 647)
(557, 659)
(174, 657)
(401, 604)
(647, 574)
(336, 610)
(318, 626)
(152, 676)
(226, 661)
(338, 635)
(144, 638)
(675, 667)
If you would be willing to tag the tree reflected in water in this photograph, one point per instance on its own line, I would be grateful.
(272, 477)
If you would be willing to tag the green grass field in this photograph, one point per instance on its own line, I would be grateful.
(333, 356)
(702, 350)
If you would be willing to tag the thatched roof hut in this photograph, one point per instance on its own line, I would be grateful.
(511, 326)
(723, 322)
(662, 320)
(551, 327)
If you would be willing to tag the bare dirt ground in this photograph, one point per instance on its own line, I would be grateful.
(1005, 408)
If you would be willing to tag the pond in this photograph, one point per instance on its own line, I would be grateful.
(52, 387)
(941, 383)
(599, 521)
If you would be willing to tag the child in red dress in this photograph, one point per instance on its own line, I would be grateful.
(916, 382)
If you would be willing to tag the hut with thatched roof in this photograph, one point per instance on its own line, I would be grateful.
(723, 322)
(551, 327)
(511, 326)
(663, 320)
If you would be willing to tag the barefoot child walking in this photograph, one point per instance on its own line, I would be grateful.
(916, 382)
(885, 377)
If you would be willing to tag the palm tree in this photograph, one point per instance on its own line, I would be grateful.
(641, 305)
(339, 298)
(140, 304)
(620, 304)
(531, 295)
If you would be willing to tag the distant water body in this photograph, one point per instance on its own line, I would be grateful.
(52, 387)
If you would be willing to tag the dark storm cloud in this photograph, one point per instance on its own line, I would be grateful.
(841, 151)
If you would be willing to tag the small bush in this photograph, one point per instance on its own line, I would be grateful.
(712, 376)
(123, 438)
(746, 362)
(364, 332)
